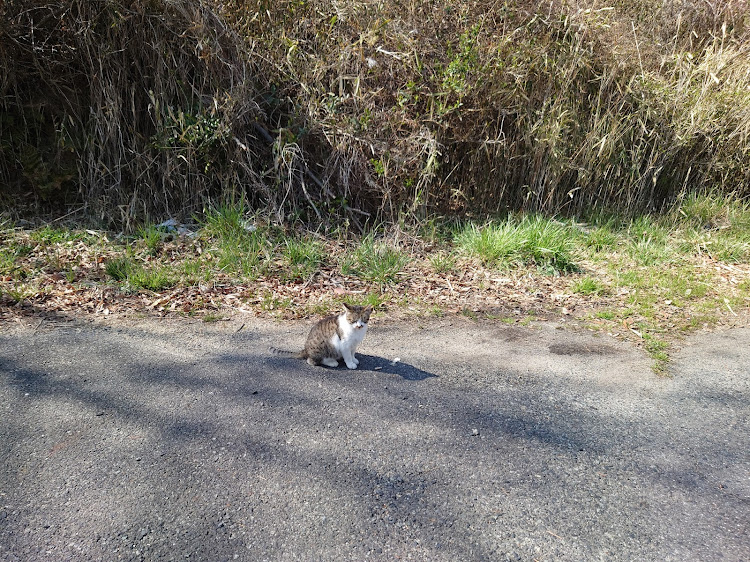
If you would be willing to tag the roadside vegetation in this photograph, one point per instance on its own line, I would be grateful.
(511, 160)
(649, 279)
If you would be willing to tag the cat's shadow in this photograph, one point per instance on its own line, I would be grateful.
(382, 365)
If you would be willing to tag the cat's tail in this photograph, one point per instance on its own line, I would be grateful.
(286, 352)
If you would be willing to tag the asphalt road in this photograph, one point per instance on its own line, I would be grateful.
(177, 440)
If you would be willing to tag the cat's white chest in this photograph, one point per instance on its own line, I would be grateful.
(351, 335)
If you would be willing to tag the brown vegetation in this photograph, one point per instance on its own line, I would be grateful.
(134, 111)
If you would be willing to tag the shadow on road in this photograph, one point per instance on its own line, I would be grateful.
(403, 370)
(367, 363)
(247, 450)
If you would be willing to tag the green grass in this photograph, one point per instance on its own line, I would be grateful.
(729, 248)
(270, 302)
(155, 278)
(119, 268)
(601, 239)
(606, 315)
(51, 235)
(532, 240)
(22, 291)
(211, 317)
(589, 286)
(193, 271)
(374, 261)
(658, 349)
(375, 299)
(648, 242)
(11, 254)
(442, 262)
(242, 248)
(303, 255)
(152, 238)
(136, 276)
(710, 212)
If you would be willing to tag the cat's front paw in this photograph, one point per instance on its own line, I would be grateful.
(352, 364)
(356, 361)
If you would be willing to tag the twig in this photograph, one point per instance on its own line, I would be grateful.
(269, 139)
(453, 293)
(637, 50)
(68, 214)
(726, 302)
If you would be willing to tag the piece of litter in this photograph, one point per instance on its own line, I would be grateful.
(636, 332)
(396, 360)
(378, 368)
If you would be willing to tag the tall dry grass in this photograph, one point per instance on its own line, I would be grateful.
(128, 109)
(330, 110)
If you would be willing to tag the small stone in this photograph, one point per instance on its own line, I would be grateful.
(475, 432)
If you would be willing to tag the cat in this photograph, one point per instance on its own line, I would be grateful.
(335, 337)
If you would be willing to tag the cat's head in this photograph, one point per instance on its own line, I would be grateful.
(356, 315)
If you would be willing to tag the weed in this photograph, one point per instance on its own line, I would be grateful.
(194, 271)
(605, 315)
(10, 255)
(443, 262)
(20, 292)
(119, 268)
(226, 222)
(601, 130)
(648, 242)
(600, 239)
(152, 237)
(50, 235)
(658, 350)
(588, 286)
(375, 261)
(436, 311)
(153, 279)
(304, 257)
(374, 299)
(212, 317)
(271, 302)
(493, 244)
(729, 249)
(242, 248)
(469, 313)
(530, 240)
(710, 212)
(527, 320)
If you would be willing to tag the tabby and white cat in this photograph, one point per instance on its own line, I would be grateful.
(336, 337)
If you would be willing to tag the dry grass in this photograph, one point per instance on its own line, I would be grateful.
(327, 111)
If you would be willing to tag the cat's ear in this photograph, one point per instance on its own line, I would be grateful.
(366, 312)
(347, 307)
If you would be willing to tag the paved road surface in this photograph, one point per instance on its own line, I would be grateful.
(177, 440)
